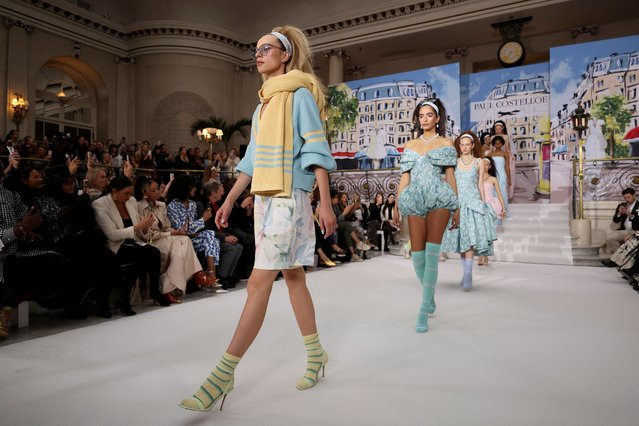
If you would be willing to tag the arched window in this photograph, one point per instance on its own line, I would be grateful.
(522, 130)
(65, 102)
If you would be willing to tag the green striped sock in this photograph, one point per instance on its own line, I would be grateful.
(316, 358)
(218, 383)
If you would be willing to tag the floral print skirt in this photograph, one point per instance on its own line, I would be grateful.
(284, 232)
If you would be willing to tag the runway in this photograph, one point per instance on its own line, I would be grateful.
(531, 345)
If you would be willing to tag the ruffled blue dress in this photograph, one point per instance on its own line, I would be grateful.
(476, 218)
(426, 190)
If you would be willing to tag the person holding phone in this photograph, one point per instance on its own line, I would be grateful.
(625, 220)
(182, 211)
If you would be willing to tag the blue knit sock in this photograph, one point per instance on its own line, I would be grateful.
(419, 260)
(467, 281)
(428, 282)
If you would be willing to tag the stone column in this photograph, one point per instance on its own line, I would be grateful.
(336, 59)
(18, 73)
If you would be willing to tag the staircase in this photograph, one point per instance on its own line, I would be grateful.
(535, 233)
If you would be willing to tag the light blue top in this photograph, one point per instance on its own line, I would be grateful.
(426, 190)
(310, 147)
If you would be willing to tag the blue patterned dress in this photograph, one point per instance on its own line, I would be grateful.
(204, 240)
(426, 190)
(476, 218)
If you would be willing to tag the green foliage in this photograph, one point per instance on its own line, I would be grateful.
(616, 117)
(342, 110)
(228, 129)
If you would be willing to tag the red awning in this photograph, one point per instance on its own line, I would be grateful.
(632, 135)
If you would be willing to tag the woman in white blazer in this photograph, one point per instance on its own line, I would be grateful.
(117, 216)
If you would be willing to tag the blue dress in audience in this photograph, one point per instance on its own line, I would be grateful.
(203, 240)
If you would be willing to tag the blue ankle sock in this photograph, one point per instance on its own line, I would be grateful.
(428, 282)
(467, 281)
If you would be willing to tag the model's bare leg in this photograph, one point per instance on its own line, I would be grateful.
(220, 382)
(302, 303)
(259, 288)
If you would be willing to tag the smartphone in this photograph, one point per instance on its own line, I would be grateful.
(11, 149)
(171, 176)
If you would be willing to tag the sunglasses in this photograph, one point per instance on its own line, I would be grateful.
(264, 49)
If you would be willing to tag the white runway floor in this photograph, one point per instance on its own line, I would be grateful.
(531, 345)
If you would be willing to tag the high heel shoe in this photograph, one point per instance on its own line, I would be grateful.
(195, 404)
(327, 263)
(171, 298)
(305, 382)
(159, 298)
(200, 278)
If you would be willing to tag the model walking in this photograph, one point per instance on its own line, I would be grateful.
(510, 147)
(494, 197)
(502, 166)
(476, 231)
(287, 153)
(425, 199)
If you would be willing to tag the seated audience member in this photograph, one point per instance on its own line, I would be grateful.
(26, 180)
(178, 258)
(346, 235)
(626, 220)
(230, 246)
(29, 272)
(95, 182)
(323, 245)
(182, 212)
(241, 224)
(387, 218)
(71, 229)
(375, 221)
(117, 215)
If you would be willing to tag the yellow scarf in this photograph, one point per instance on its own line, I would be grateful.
(273, 161)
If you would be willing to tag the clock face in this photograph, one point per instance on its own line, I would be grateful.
(511, 53)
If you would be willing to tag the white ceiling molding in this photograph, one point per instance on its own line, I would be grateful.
(182, 37)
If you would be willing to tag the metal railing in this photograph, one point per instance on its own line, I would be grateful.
(605, 178)
(366, 183)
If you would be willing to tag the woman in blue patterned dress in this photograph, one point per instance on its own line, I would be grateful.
(425, 199)
(476, 231)
(182, 212)
(288, 152)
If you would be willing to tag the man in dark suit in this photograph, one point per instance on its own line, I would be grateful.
(627, 219)
(230, 246)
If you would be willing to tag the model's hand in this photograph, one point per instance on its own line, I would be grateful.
(327, 220)
(396, 216)
(455, 221)
(222, 215)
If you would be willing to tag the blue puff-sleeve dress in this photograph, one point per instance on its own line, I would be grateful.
(476, 218)
(426, 190)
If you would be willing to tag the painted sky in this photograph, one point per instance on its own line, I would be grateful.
(477, 87)
(567, 63)
(444, 80)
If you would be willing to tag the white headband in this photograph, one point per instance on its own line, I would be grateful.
(430, 104)
(466, 135)
(282, 38)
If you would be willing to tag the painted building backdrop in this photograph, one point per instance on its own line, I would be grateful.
(521, 98)
(602, 75)
(370, 120)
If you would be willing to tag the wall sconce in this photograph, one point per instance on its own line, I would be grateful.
(20, 107)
